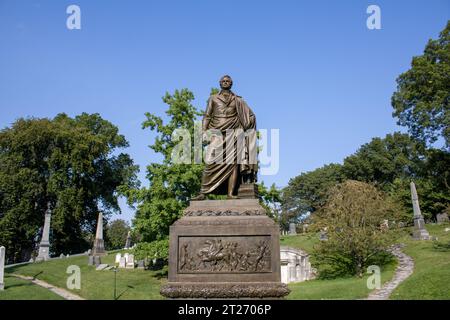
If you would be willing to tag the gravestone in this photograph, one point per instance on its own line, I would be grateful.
(292, 229)
(419, 233)
(62, 256)
(323, 234)
(126, 256)
(109, 268)
(141, 264)
(130, 262)
(442, 217)
(90, 260)
(118, 256)
(99, 244)
(305, 228)
(2, 267)
(224, 249)
(101, 267)
(97, 260)
(44, 245)
(122, 262)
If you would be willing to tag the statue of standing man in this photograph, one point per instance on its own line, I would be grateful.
(233, 157)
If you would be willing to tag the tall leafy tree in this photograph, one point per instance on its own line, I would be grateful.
(71, 163)
(308, 191)
(171, 184)
(116, 234)
(383, 160)
(422, 99)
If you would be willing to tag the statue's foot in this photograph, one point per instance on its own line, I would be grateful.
(201, 196)
(232, 197)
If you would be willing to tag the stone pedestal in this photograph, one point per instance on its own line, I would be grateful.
(224, 249)
(420, 233)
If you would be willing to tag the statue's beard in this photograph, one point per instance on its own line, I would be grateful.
(225, 88)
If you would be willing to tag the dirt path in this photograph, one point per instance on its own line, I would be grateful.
(404, 270)
(59, 291)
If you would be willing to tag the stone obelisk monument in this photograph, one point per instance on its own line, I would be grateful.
(419, 233)
(44, 245)
(99, 245)
(2, 267)
(128, 242)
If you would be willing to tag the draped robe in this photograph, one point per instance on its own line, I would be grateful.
(226, 115)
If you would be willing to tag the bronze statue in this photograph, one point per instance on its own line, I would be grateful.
(230, 116)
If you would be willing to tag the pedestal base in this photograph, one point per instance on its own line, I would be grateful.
(224, 249)
(420, 233)
(43, 254)
(225, 290)
(99, 248)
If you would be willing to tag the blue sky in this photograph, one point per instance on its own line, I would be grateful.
(309, 68)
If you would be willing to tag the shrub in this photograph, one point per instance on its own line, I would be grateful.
(353, 217)
(149, 251)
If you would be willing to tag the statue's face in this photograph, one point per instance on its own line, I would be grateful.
(226, 83)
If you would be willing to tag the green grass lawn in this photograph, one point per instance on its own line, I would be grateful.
(18, 289)
(303, 241)
(132, 284)
(431, 277)
(342, 288)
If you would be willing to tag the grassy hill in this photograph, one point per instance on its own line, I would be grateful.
(18, 289)
(343, 288)
(431, 277)
(133, 284)
(430, 280)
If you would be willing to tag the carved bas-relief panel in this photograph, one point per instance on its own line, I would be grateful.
(224, 254)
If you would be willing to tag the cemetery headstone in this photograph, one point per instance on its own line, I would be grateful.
(442, 217)
(97, 260)
(130, 262)
(101, 267)
(122, 262)
(141, 264)
(292, 229)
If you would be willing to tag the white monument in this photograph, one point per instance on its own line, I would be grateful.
(295, 265)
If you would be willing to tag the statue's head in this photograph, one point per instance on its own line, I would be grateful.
(226, 82)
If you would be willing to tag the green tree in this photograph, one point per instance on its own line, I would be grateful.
(308, 191)
(116, 234)
(73, 164)
(421, 101)
(381, 161)
(271, 200)
(353, 215)
(171, 184)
